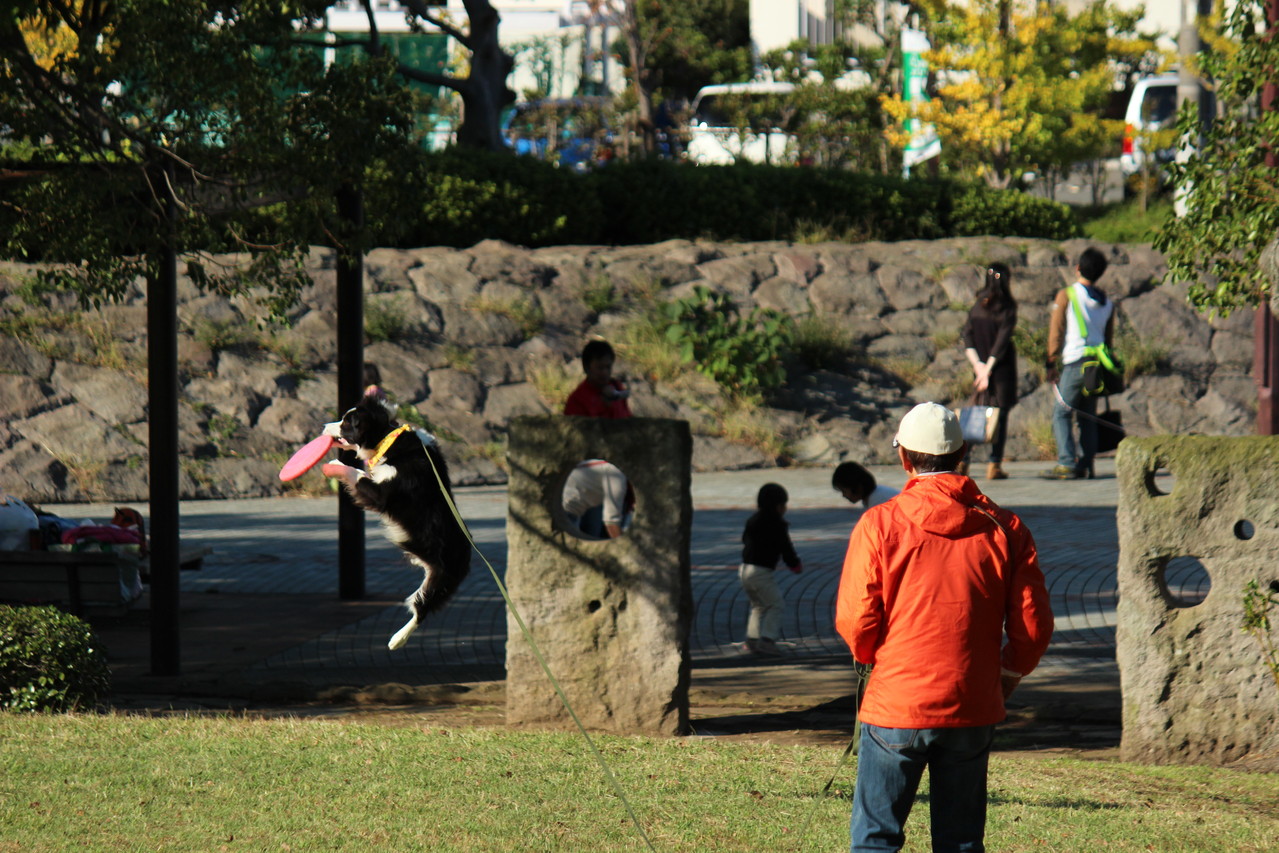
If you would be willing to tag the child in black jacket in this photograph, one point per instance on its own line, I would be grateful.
(766, 540)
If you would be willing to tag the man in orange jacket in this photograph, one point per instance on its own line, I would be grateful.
(942, 593)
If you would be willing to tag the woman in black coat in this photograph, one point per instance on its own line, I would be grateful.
(988, 343)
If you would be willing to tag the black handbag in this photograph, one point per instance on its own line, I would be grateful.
(1110, 429)
(1103, 372)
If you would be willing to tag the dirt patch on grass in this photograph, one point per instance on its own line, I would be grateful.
(784, 719)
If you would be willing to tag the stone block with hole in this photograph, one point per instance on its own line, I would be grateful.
(1198, 519)
(610, 617)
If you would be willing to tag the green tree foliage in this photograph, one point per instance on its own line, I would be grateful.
(700, 42)
(1022, 84)
(1230, 182)
(199, 110)
(672, 49)
(835, 116)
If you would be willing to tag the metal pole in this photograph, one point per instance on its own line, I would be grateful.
(1266, 329)
(1265, 369)
(162, 428)
(350, 347)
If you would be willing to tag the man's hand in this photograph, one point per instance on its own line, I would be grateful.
(797, 568)
(1051, 375)
(1008, 683)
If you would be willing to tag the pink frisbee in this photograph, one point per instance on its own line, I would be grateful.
(304, 460)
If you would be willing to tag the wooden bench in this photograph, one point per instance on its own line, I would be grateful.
(80, 581)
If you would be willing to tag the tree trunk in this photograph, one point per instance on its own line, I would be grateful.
(484, 92)
(1003, 150)
(637, 51)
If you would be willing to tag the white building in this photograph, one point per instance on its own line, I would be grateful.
(777, 23)
(517, 15)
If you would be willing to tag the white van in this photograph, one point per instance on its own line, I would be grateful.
(1152, 106)
(714, 140)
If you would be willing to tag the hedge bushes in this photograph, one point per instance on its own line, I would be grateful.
(471, 196)
(474, 195)
(458, 198)
(49, 661)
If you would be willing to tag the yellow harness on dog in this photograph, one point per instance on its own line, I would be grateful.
(385, 444)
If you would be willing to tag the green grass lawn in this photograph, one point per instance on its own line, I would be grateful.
(1126, 222)
(88, 783)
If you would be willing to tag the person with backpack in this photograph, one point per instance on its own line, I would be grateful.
(1083, 318)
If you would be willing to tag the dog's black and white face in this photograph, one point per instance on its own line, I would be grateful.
(363, 426)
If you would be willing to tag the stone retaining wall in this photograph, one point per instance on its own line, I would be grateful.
(464, 336)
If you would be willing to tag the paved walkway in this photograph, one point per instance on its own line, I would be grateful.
(264, 608)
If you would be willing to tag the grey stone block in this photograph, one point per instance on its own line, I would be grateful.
(610, 618)
(1195, 687)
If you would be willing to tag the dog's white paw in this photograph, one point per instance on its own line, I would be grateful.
(402, 636)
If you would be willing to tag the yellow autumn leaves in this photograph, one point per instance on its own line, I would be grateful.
(1020, 87)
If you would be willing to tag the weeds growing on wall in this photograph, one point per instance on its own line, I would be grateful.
(554, 383)
(85, 337)
(459, 358)
(1141, 356)
(742, 353)
(642, 343)
(820, 341)
(744, 421)
(219, 335)
(909, 371)
(1032, 346)
(600, 295)
(1040, 433)
(384, 320)
(1257, 606)
(524, 313)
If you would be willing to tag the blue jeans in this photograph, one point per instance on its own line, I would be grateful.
(1071, 387)
(890, 763)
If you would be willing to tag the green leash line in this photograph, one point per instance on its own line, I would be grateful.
(851, 749)
(537, 653)
(568, 706)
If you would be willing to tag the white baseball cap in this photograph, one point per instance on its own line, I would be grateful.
(930, 428)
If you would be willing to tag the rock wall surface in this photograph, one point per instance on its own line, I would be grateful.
(1196, 688)
(470, 339)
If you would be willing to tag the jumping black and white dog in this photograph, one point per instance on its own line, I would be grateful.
(399, 483)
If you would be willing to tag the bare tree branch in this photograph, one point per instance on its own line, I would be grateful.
(431, 78)
(421, 10)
